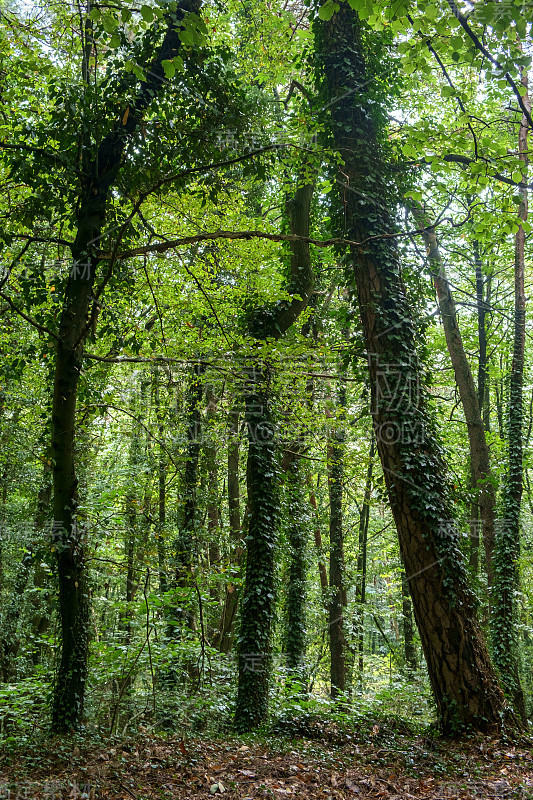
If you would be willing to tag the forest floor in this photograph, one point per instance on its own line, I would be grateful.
(379, 759)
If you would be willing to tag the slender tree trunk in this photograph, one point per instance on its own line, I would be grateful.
(479, 450)
(224, 639)
(213, 506)
(317, 535)
(161, 489)
(186, 542)
(463, 680)
(337, 644)
(504, 617)
(360, 589)
(295, 632)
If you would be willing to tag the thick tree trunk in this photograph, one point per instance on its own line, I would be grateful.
(258, 598)
(504, 618)
(68, 530)
(463, 680)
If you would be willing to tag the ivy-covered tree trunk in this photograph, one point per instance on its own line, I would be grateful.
(463, 680)
(507, 552)
(258, 598)
(99, 173)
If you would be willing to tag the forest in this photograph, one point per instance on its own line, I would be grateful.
(266, 407)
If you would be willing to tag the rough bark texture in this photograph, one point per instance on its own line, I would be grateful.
(463, 680)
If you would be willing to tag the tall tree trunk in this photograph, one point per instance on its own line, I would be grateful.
(337, 644)
(186, 541)
(464, 683)
(213, 506)
(479, 450)
(224, 639)
(161, 488)
(295, 632)
(483, 292)
(68, 531)
(258, 598)
(360, 589)
(317, 535)
(504, 637)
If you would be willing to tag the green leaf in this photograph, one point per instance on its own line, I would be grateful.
(109, 23)
(326, 11)
(187, 37)
(147, 13)
(170, 69)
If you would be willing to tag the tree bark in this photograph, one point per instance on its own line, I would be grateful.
(463, 680)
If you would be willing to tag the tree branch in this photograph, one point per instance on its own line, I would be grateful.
(494, 61)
